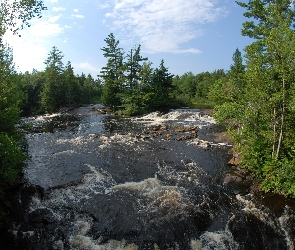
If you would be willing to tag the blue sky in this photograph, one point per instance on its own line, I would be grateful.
(190, 35)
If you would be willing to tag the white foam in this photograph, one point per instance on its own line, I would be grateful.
(194, 116)
(127, 139)
(58, 245)
(158, 195)
(250, 208)
(81, 242)
(200, 143)
(215, 240)
(92, 184)
(285, 225)
(147, 187)
(205, 144)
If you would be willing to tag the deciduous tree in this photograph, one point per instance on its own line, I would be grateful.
(265, 115)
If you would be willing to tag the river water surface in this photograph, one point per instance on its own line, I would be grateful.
(160, 181)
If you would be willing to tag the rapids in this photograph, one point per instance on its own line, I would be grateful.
(157, 181)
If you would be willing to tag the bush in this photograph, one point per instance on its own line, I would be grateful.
(279, 177)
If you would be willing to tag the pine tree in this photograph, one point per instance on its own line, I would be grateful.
(161, 85)
(53, 95)
(112, 73)
(71, 86)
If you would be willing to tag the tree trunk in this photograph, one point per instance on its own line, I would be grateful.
(274, 132)
(282, 121)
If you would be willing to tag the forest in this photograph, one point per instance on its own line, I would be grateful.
(255, 98)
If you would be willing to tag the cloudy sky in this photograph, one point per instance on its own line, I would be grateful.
(190, 35)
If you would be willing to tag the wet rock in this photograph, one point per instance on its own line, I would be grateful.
(236, 158)
(235, 175)
(251, 233)
(234, 161)
(182, 129)
(231, 178)
(183, 137)
(42, 218)
(168, 136)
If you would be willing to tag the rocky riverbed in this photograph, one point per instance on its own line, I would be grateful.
(159, 181)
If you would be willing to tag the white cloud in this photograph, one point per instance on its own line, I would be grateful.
(77, 16)
(76, 10)
(163, 25)
(27, 54)
(45, 29)
(53, 19)
(54, 1)
(56, 9)
(86, 66)
(31, 49)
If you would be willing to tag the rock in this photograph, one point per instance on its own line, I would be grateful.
(236, 158)
(231, 178)
(41, 218)
(194, 133)
(183, 137)
(233, 161)
(168, 136)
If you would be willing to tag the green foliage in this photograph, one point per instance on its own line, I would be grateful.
(31, 85)
(231, 87)
(54, 91)
(184, 88)
(133, 87)
(279, 177)
(61, 88)
(205, 82)
(112, 73)
(161, 85)
(11, 158)
(260, 108)
(15, 15)
(9, 94)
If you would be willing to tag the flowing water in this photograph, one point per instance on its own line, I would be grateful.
(151, 182)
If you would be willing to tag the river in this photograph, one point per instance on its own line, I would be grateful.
(159, 181)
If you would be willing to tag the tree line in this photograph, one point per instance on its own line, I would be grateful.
(56, 87)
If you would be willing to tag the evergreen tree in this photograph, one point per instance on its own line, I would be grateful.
(133, 67)
(53, 95)
(112, 73)
(31, 84)
(131, 99)
(161, 85)
(90, 90)
(71, 86)
(229, 88)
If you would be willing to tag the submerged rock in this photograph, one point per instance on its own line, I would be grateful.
(252, 233)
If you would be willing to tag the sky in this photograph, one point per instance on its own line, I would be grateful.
(189, 35)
